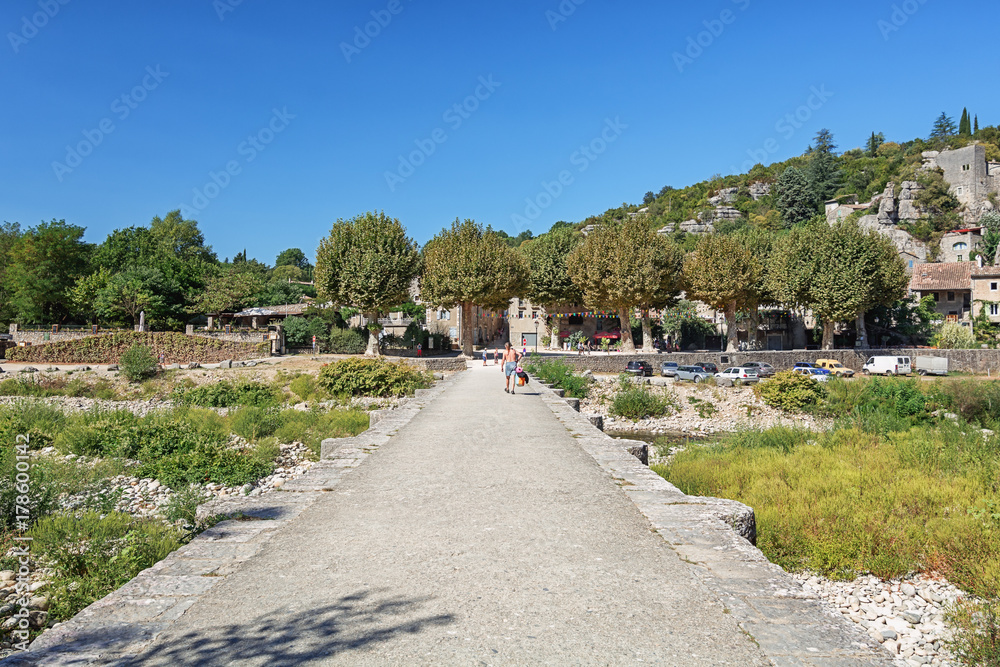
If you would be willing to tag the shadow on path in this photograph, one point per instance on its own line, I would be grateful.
(353, 622)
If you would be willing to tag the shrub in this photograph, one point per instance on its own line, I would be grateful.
(954, 336)
(93, 555)
(206, 463)
(975, 640)
(560, 375)
(138, 363)
(975, 400)
(346, 341)
(311, 428)
(303, 386)
(183, 505)
(637, 401)
(227, 394)
(371, 377)
(791, 392)
(252, 423)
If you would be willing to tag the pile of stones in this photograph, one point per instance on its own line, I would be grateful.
(906, 616)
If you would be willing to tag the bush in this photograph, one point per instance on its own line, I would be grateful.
(183, 505)
(206, 463)
(347, 341)
(311, 428)
(251, 423)
(303, 386)
(227, 394)
(560, 375)
(637, 401)
(975, 639)
(371, 377)
(93, 555)
(138, 363)
(977, 401)
(791, 392)
(954, 336)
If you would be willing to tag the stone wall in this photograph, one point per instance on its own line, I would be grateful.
(39, 337)
(257, 336)
(967, 361)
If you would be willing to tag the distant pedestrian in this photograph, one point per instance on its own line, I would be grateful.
(496, 356)
(486, 352)
(510, 358)
(420, 350)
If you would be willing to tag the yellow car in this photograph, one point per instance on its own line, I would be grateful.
(835, 367)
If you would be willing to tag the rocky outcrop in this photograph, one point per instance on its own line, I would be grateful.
(725, 196)
(758, 190)
(907, 207)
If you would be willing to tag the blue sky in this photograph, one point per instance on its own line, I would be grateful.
(256, 118)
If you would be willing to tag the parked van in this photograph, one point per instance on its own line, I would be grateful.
(835, 367)
(931, 365)
(887, 366)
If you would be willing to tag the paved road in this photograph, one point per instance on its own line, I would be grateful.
(481, 534)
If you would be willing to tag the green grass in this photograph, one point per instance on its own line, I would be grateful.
(638, 401)
(560, 375)
(852, 501)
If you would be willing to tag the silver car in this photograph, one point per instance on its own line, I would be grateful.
(763, 370)
(668, 369)
(692, 373)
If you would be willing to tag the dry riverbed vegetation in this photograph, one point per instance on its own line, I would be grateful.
(118, 468)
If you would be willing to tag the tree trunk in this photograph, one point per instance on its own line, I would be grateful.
(555, 342)
(624, 317)
(465, 333)
(374, 349)
(732, 337)
(647, 333)
(799, 337)
(828, 327)
(753, 328)
(862, 329)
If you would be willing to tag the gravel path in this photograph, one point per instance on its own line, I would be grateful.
(479, 534)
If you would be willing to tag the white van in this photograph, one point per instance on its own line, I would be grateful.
(887, 366)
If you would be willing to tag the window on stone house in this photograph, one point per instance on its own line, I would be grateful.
(959, 191)
(995, 309)
(966, 167)
(951, 296)
(937, 297)
(958, 258)
(961, 245)
(911, 263)
(993, 287)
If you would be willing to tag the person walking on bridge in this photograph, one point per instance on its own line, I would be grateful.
(510, 358)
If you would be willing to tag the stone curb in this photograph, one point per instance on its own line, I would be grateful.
(122, 623)
(790, 626)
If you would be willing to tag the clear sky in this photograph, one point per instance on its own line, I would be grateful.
(266, 121)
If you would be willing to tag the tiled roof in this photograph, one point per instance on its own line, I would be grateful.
(936, 277)
(986, 272)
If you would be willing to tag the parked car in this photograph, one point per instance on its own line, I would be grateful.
(708, 366)
(639, 368)
(736, 376)
(931, 365)
(835, 367)
(817, 374)
(887, 366)
(668, 369)
(809, 364)
(692, 373)
(763, 370)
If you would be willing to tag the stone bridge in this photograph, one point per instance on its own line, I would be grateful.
(470, 526)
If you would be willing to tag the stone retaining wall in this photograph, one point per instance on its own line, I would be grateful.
(966, 361)
(258, 336)
(39, 337)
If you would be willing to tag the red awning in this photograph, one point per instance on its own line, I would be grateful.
(608, 334)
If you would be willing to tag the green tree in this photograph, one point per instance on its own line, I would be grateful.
(876, 140)
(795, 200)
(367, 262)
(43, 266)
(10, 232)
(975, 128)
(990, 244)
(293, 257)
(965, 124)
(724, 273)
(838, 271)
(173, 235)
(823, 174)
(227, 291)
(127, 295)
(623, 265)
(469, 266)
(944, 127)
(549, 284)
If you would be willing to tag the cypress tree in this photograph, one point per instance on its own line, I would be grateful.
(964, 125)
(975, 127)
